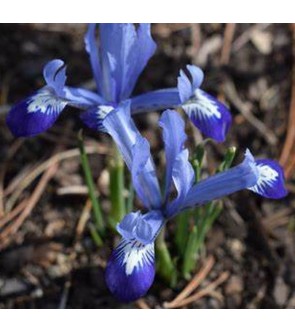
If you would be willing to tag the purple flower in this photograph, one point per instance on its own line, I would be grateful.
(131, 268)
(118, 54)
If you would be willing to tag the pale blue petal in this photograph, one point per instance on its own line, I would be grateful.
(120, 126)
(139, 56)
(183, 178)
(54, 74)
(174, 138)
(91, 45)
(144, 177)
(155, 100)
(127, 226)
(143, 228)
(197, 76)
(184, 86)
(82, 98)
(127, 50)
(149, 227)
(222, 184)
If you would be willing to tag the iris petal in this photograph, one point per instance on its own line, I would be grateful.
(94, 116)
(144, 232)
(127, 226)
(149, 227)
(174, 137)
(92, 49)
(82, 98)
(155, 100)
(142, 228)
(224, 183)
(197, 76)
(184, 86)
(144, 177)
(39, 111)
(183, 177)
(209, 115)
(270, 182)
(54, 74)
(125, 50)
(130, 271)
(35, 114)
(121, 127)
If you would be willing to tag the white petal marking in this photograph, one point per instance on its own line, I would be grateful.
(135, 255)
(45, 102)
(101, 113)
(267, 176)
(202, 106)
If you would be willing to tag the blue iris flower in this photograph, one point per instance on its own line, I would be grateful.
(131, 268)
(118, 54)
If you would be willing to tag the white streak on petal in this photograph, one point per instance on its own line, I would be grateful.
(266, 178)
(202, 106)
(101, 113)
(135, 255)
(45, 102)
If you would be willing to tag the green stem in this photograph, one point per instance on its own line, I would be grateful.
(228, 159)
(95, 236)
(182, 229)
(165, 266)
(90, 185)
(129, 202)
(191, 253)
(117, 189)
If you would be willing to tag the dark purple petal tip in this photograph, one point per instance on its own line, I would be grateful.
(271, 181)
(209, 115)
(130, 270)
(35, 114)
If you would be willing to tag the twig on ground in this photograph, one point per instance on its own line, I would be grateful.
(226, 52)
(85, 215)
(246, 36)
(165, 30)
(18, 186)
(8, 217)
(72, 190)
(11, 153)
(141, 304)
(65, 295)
(203, 292)
(195, 41)
(227, 43)
(5, 235)
(245, 109)
(232, 211)
(289, 169)
(287, 158)
(193, 284)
